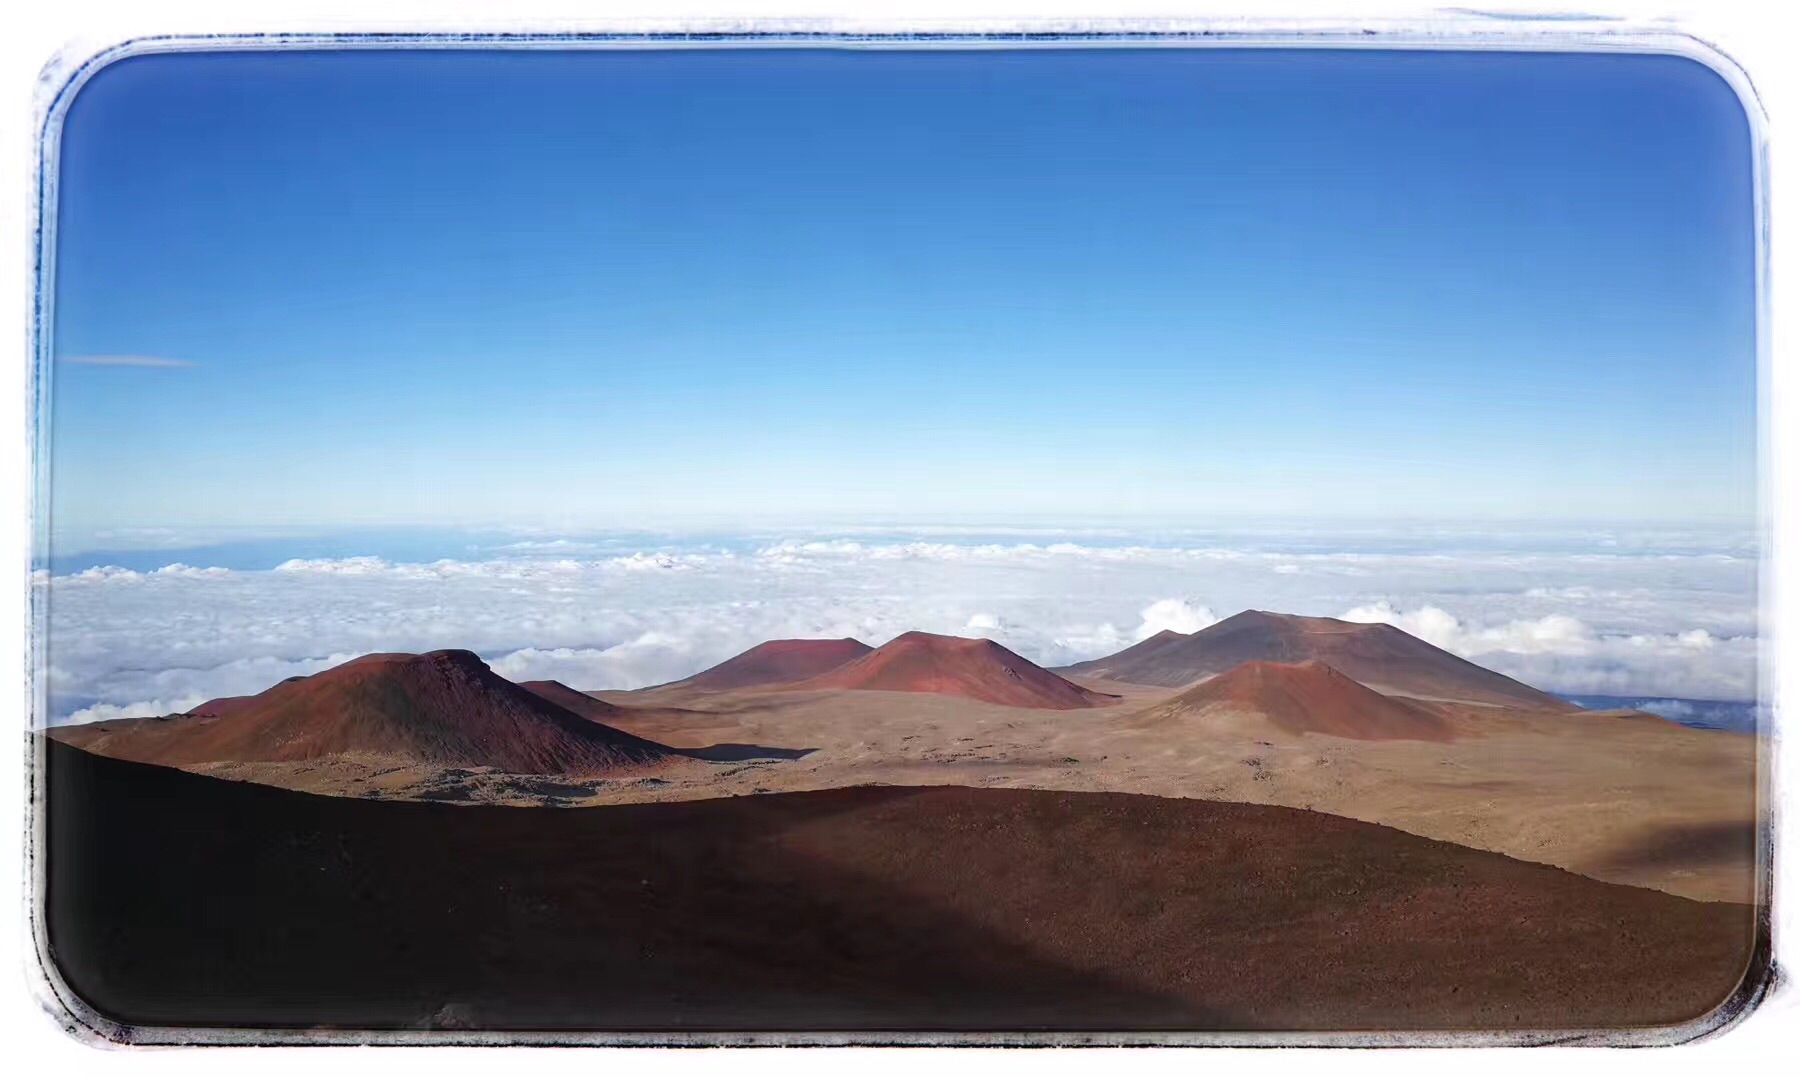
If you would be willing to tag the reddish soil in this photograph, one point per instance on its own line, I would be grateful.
(1380, 656)
(1309, 697)
(219, 706)
(776, 662)
(445, 708)
(178, 899)
(957, 666)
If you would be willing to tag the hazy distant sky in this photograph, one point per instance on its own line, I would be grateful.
(620, 288)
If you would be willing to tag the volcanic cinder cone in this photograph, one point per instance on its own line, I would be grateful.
(1380, 656)
(1145, 656)
(957, 666)
(1306, 698)
(776, 662)
(444, 708)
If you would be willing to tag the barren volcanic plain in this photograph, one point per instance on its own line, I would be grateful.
(1274, 822)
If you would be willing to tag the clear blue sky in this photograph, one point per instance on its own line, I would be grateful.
(617, 288)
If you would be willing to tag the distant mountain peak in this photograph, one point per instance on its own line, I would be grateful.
(1379, 655)
(975, 667)
(775, 662)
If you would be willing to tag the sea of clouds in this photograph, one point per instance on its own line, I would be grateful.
(1592, 617)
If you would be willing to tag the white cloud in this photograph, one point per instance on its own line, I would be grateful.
(1176, 614)
(358, 566)
(649, 659)
(106, 572)
(140, 709)
(641, 561)
(1565, 654)
(548, 546)
(1553, 632)
(1628, 623)
(189, 571)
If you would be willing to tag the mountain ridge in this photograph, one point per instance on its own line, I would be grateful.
(1380, 656)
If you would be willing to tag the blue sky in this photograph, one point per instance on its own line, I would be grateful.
(623, 289)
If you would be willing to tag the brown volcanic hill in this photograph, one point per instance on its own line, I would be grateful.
(444, 708)
(219, 706)
(775, 662)
(1140, 655)
(1307, 697)
(575, 700)
(225, 705)
(957, 666)
(173, 899)
(1380, 656)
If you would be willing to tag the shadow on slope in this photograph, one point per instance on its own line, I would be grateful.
(177, 899)
(180, 899)
(1723, 842)
(731, 752)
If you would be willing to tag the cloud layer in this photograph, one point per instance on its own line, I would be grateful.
(1633, 622)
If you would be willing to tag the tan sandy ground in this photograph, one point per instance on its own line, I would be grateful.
(1628, 800)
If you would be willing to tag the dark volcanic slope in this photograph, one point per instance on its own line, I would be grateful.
(776, 662)
(574, 700)
(1380, 656)
(1308, 697)
(1142, 657)
(178, 898)
(957, 666)
(445, 708)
